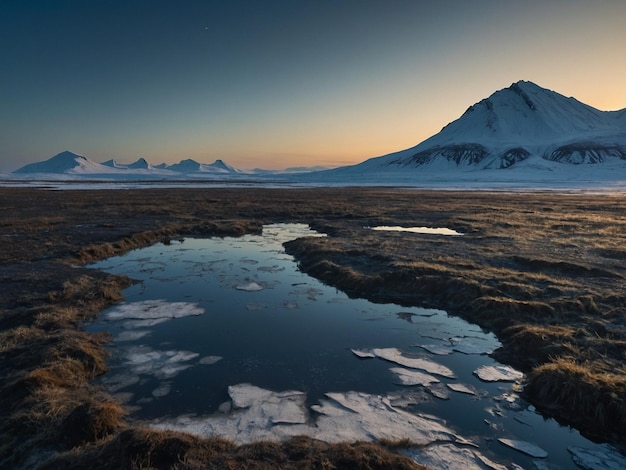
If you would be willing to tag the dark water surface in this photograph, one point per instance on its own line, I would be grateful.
(259, 320)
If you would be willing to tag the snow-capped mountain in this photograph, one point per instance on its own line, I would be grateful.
(65, 162)
(520, 136)
(68, 163)
(192, 166)
(140, 164)
(515, 124)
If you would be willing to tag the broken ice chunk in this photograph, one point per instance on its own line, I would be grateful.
(461, 388)
(413, 377)
(601, 457)
(451, 457)
(249, 287)
(260, 414)
(276, 407)
(498, 373)
(394, 355)
(160, 364)
(524, 447)
(439, 391)
(363, 353)
(152, 309)
(209, 360)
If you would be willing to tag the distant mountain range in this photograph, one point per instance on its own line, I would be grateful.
(520, 133)
(69, 163)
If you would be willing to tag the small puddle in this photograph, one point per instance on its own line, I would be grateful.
(425, 230)
(225, 336)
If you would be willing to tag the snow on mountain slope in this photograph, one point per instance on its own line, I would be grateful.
(191, 166)
(140, 164)
(68, 163)
(65, 162)
(512, 125)
(114, 164)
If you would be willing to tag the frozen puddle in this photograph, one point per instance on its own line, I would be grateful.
(226, 337)
(425, 230)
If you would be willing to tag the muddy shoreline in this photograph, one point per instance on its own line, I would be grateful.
(543, 271)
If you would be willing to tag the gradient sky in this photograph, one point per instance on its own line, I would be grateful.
(272, 84)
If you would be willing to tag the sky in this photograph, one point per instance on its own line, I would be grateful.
(274, 84)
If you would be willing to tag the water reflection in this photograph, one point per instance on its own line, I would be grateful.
(426, 230)
(227, 329)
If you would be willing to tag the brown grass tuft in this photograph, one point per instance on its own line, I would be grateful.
(142, 448)
(573, 390)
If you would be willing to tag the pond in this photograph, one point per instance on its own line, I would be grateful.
(225, 336)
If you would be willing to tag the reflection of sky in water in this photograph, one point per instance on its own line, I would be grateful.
(295, 334)
(424, 230)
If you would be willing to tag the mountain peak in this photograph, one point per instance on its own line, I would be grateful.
(516, 123)
(60, 163)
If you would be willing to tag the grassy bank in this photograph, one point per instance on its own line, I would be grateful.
(545, 272)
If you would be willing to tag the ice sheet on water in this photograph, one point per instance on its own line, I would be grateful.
(413, 377)
(260, 414)
(152, 310)
(210, 360)
(602, 457)
(363, 353)
(143, 360)
(279, 407)
(524, 447)
(462, 388)
(452, 458)
(394, 355)
(249, 287)
(498, 373)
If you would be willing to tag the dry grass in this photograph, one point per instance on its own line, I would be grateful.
(598, 397)
(545, 272)
(145, 449)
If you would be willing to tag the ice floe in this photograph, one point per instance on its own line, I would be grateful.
(249, 287)
(260, 414)
(160, 364)
(601, 457)
(498, 373)
(152, 310)
(363, 353)
(524, 447)
(210, 360)
(413, 377)
(462, 388)
(394, 355)
(452, 457)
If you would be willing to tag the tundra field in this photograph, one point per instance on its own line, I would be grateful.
(544, 271)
